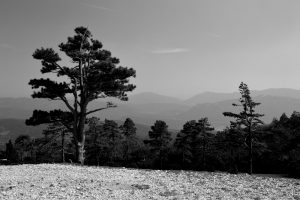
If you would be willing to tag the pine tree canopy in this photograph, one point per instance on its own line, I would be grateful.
(94, 73)
(247, 117)
(128, 128)
(159, 136)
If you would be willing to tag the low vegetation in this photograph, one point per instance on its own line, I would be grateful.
(275, 147)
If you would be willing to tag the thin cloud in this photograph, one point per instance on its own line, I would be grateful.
(97, 7)
(169, 51)
(214, 35)
(6, 46)
(10, 47)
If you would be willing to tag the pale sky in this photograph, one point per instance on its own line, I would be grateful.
(178, 47)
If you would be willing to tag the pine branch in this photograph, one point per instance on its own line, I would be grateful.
(43, 117)
(64, 99)
(99, 109)
(230, 114)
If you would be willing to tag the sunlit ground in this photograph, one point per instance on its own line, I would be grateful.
(54, 181)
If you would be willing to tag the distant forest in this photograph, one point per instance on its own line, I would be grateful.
(246, 145)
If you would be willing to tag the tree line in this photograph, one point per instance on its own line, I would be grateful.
(195, 147)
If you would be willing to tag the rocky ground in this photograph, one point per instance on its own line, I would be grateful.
(54, 181)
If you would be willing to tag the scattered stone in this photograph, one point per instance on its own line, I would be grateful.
(296, 197)
(140, 187)
(168, 193)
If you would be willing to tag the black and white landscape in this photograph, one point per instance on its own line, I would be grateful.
(137, 99)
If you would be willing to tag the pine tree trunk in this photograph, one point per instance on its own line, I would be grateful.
(81, 134)
(250, 151)
(203, 155)
(80, 157)
(80, 146)
(250, 157)
(126, 153)
(182, 158)
(63, 146)
(160, 156)
(76, 151)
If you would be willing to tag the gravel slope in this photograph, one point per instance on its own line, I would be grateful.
(54, 181)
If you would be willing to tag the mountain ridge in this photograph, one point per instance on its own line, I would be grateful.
(151, 107)
(221, 96)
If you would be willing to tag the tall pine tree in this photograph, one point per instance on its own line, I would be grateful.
(93, 73)
(247, 119)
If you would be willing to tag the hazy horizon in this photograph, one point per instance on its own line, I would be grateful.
(182, 98)
(178, 48)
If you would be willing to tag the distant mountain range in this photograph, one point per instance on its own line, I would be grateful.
(146, 108)
(213, 97)
(274, 102)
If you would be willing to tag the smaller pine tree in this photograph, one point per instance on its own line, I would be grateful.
(113, 135)
(185, 141)
(130, 143)
(55, 133)
(128, 128)
(204, 139)
(11, 153)
(23, 146)
(159, 141)
(192, 142)
(96, 143)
